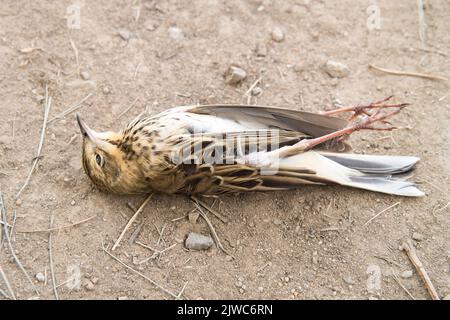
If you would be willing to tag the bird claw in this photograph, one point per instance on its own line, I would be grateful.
(364, 109)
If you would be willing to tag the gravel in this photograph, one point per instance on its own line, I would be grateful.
(85, 75)
(125, 34)
(197, 241)
(235, 75)
(277, 34)
(407, 274)
(257, 91)
(418, 236)
(336, 69)
(261, 49)
(176, 34)
(40, 277)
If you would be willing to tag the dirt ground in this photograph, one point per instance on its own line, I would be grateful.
(312, 243)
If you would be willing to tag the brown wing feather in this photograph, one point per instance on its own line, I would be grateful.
(261, 117)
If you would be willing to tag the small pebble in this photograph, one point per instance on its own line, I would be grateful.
(125, 34)
(18, 202)
(407, 274)
(176, 34)
(261, 49)
(260, 289)
(122, 298)
(300, 67)
(257, 91)
(234, 75)
(336, 69)
(277, 34)
(106, 90)
(229, 258)
(85, 75)
(88, 285)
(197, 241)
(418, 236)
(40, 277)
(72, 202)
(348, 280)
(286, 279)
(277, 222)
(151, 25)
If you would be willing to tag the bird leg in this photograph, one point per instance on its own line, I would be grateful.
(365, 123)
(363, 109)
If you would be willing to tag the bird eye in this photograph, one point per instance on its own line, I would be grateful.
(99, 160)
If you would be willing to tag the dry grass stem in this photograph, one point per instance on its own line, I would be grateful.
(130, 222)
(50, 254)
(142, 275)
(382, 211)
(71, 109)
(48, 102)
(409, 74)
(11, 249)
(57, 228)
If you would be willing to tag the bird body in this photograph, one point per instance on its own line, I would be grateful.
(216, 149)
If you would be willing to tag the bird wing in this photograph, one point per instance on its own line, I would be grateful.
(259, 117)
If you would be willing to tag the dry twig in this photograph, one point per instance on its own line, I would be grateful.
(394, 275)
(408, 247)
(382, 211)
(156, 252)
(8, 285)
(213, 231)
(130, 222)
(57, 228)
(71, 109)
(129, 107)
(11, 249)
(140, 274)
(210, 209)
(50, 254)
(409, 74)
(48, 102)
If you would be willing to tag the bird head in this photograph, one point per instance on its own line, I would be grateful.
(103, 160)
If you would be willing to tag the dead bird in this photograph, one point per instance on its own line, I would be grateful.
(216, 149)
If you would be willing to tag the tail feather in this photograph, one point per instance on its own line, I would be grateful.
(374, 163)
(386, 185)
(375, 173)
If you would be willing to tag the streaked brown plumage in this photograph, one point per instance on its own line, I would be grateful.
(146, 155)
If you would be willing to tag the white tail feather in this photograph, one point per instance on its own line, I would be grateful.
(329, 167)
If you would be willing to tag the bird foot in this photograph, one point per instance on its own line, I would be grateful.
(366, 123)
(364, 109)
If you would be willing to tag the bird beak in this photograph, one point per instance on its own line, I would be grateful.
(93, 136)
(85, 130)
